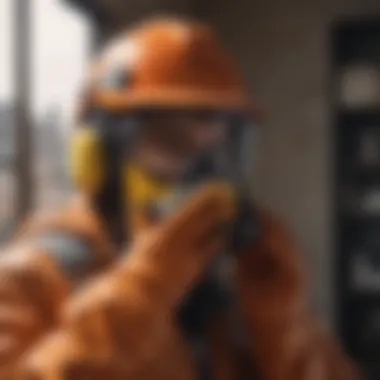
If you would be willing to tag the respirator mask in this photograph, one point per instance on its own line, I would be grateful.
(229, 157)
(225, 154)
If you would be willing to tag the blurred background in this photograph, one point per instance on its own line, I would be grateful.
(313, 64)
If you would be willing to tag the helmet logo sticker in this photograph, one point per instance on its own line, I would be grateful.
(117, 62)
(120, 52)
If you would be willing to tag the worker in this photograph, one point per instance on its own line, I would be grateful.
(162, 266)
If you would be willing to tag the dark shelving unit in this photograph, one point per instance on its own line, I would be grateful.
(356, 130)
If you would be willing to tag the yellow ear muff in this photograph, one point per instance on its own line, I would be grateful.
(86, 160)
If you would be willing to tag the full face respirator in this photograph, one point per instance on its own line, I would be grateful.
(103, 147)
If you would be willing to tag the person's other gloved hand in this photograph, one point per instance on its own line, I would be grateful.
(122, 317)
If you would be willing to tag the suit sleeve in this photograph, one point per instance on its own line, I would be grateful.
(284, 340)
(38, 270)
(31, 291)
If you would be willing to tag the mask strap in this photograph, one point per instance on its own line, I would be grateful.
(247, 151)
(109, 202)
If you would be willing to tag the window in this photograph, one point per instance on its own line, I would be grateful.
(59, 49)
(58, 64)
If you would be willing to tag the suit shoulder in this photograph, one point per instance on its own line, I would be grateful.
(76, 219)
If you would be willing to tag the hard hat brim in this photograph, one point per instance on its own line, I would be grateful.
(116, 101)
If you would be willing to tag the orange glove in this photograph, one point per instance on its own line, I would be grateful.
(31, 291)
(284, 340)
(123, 320)
(34, 281)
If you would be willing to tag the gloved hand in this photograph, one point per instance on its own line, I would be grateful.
(178, 249)
(31, 291)
(271, 273)
(121, 319)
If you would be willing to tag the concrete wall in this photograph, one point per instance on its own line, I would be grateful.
(282, 47)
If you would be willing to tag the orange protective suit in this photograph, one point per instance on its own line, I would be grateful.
(121, 324)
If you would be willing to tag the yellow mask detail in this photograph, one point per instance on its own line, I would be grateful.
(87, 170)
(86, 161)
(140, 190)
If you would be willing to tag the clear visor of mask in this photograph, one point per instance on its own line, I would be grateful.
(230, 158)
(226, 154)
(200, 147)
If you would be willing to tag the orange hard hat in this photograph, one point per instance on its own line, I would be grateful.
(166, 62)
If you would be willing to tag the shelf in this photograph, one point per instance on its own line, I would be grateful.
(354, 218)
(364, 299)
(351, 176)
(356, 133)
(358, 112)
